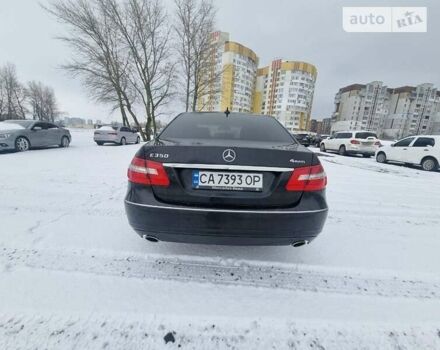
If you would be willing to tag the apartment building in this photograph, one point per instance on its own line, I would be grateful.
(229, 81)
(412, 111)
(360, 107)
(285, 89)
(391, 112)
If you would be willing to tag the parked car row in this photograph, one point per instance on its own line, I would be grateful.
(21, 135)
(423, 150)
(308, 139)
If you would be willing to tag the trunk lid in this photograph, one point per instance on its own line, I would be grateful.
(274, 163)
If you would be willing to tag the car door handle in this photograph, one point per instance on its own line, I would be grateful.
(426, 150)
(404, 149)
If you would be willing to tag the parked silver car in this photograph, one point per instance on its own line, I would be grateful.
(120, 135)
(21, 135)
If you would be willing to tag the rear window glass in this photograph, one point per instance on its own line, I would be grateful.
(219, 127)
(365, 135)
(109, 128)
(343, 135)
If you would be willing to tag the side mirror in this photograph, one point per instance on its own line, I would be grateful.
(392, 145)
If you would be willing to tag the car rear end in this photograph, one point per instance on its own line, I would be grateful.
(363, 142)
(106, 134)
(190, 192)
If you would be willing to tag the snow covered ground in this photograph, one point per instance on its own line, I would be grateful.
(73, 275)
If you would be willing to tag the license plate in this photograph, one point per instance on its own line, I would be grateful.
(230, 181)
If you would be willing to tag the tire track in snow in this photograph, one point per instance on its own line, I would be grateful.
(220, 272)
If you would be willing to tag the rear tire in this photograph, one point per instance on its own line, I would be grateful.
(322, 148)
(342, 151)
(22, 144)
(429, 164)
(138, 140)
(381, 157)
(65, 142)
(99, 143)
(123, 142)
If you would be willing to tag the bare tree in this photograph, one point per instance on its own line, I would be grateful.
(12, 94)
(100, 60)
(43, 102)
(144, 26)
(193, 27)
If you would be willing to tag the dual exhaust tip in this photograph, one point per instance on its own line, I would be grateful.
(295, 244)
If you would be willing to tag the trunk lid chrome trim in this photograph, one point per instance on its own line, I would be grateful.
(226, 167)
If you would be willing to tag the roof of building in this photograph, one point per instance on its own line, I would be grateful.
(352, 87)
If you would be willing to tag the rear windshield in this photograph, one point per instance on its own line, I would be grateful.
(109, 128)
(213, 126)
(365, 135)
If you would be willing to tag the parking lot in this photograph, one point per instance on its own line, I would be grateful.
(73, 267)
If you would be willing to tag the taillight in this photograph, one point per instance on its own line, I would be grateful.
(355, 142)
(147, 172)
(310, 178)
(377, 143)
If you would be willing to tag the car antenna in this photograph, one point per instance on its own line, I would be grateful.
(227, 112)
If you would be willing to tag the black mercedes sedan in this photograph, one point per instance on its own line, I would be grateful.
(220, 178)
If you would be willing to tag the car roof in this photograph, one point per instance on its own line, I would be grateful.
(373, 132)
(432, 136)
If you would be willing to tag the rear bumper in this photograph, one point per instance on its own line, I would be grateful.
(368, 153)
(172, 223)
(106, 139)
(366, 150)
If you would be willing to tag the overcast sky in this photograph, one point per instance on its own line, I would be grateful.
(308, 30)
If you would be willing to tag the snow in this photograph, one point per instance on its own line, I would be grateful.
(73, 274)
(10, 126)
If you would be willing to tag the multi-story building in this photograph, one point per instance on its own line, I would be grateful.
(391, 112)
(360, 107)
(314, 125)
(229, 79)
(326, 126)
(285, 90)
(413, 111)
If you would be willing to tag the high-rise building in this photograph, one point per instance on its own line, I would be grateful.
(229, 81)
(391, 112)
(413, 111)
(360, 107)
(285, 90)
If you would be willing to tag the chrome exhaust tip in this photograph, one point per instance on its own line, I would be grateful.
(297, 244)
(150, 238)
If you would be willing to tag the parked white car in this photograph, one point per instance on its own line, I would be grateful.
(423, 150)
(351, 142)
(113, 134)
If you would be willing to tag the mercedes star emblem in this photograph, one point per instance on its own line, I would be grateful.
(229, 155)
